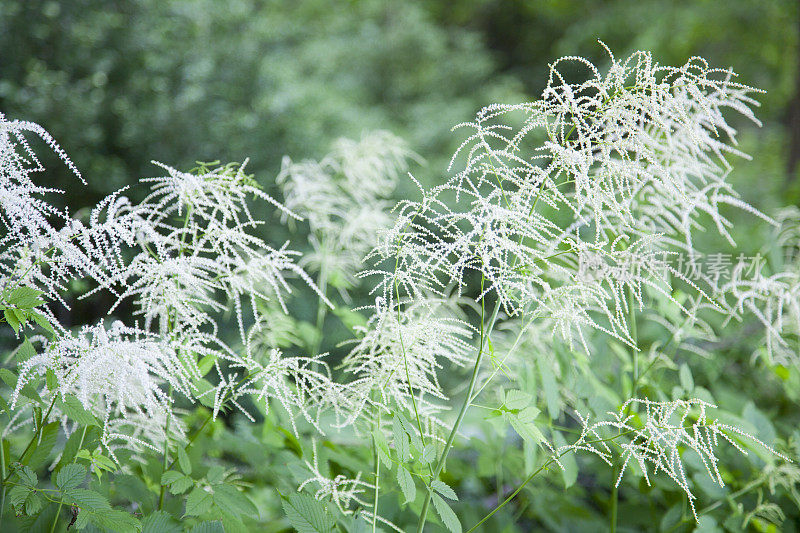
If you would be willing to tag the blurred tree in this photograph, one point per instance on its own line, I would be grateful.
(122, 82)
(759, 40)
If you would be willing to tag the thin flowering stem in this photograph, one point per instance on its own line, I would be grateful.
(485, 330)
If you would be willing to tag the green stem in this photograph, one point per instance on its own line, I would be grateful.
(322, 308)
(165, 466)
(3, 467)
(467, 400)
(61, 503)
(612, 526)
(377, 475)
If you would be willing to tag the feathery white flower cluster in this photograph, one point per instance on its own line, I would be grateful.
(774, 299)
(401, 353)
(615, 169)
(658, 437)
(178, 255)
(117, 374)
(41, 244)
(344, 198)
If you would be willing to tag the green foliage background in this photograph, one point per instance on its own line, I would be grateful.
(121, 83)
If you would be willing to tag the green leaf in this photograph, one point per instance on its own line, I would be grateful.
(211, 526)
(401, 443)
(170, 476)
(72, 407)
(410, 430)
(447, 515)
(406, 482)
(569, 470)
(206, 364)
(25, 351)
(517, 399)
(308, 515)
(202, 394)
(82, 520)
(27, 476)
(86, 499)
(51, 380)
(11, 318)
(428, 453)
(444, 489)
(526, 429)
(551, 391)
(383, 449)
(197, 502)
(160, 522)
(230, 500)
(114, 520)
(70, 476)
(8, 377)
(215, 474)
(528, 414)
(42, 449)
(181, 485)
(184, 462)
(17, 495)
(291, 442)
(43, 323)
(685, 375)
(33, 503)
(25, 298)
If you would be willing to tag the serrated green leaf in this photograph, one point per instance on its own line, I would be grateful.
(82, 520)
(401, 441)
(25, 351)
(160, 522)
(444, 489)
(8, 377)
(410, 430)
(527, 430)
(72, 407)
(517, 399)
(383, 449)
(71, 476)
(86, 499)
(11, 318)
(529, 414)
(114, 520)
(230, 500)
(308, 515)
(17, 495)
(51, 380)
(686, 379)
(211, 526)
(428, 453)
(447, 515)
(181, 485)
(550, 386)
(27, 476)
(406, 482)
(42, 321)
(232, 524)
(25, 298)
(215, 474)
(170, 476)
(197, 502)
(33, 503)
(184, 462)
